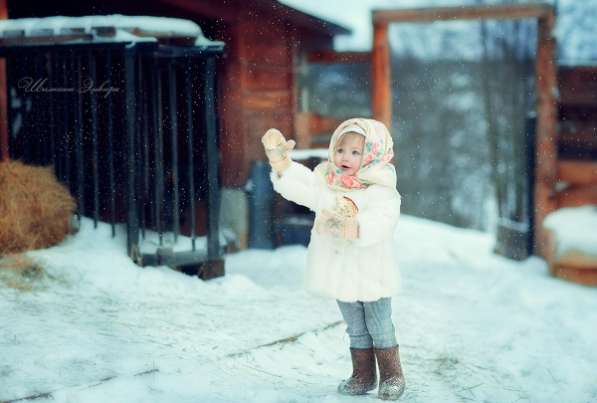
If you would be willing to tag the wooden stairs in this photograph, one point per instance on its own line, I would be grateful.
(576, 163)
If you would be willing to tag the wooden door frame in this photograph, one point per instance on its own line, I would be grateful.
(3, 96)
(545, 78)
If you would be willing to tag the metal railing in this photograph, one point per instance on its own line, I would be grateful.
(130, 129)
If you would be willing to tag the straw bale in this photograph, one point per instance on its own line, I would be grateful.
(35, 209)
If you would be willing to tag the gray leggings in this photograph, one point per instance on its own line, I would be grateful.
(369, 324)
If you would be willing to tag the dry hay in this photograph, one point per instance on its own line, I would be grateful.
(20, 272)
(35, 209)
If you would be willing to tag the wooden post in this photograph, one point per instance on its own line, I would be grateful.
(3, 95)
(546, 135)
(381, 95)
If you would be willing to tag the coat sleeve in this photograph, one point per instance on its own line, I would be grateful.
(379, 210)
(299, 185)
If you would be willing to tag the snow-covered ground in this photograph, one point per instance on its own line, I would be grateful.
(472, 327)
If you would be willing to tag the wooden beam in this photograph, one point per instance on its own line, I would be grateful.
(329, 56)
(578, 173)
(578, 134)
(426, 14)
(586, 276)
(577, 196)
(381, 94)
(546, 135)
(213, 9)
(3, 94)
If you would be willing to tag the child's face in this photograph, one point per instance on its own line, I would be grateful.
(349, 153)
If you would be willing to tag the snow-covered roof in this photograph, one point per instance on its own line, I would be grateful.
(103, 28)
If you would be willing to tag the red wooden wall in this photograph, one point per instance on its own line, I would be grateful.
(577, 136)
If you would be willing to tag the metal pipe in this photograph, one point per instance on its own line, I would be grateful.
(158, 149)
(141, 142)
(145, 120)
(110, 131)
(174, 150)
(94, 153)
(132, 213)
(56, 106)
(80, 193)
(213, 187)
(24, 141)
(190, 150)
(52, 107)
(68, 65)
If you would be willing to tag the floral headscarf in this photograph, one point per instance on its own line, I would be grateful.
(378, 151)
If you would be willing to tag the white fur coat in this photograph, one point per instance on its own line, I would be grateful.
(361, 270)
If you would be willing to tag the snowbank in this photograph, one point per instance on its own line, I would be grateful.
(575, 230)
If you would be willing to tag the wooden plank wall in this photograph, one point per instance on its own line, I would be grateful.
(257, 92)
(577, 137)
(267, 79)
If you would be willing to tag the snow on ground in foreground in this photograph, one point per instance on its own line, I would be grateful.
(472, 327)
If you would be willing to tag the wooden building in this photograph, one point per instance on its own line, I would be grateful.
(265, 43)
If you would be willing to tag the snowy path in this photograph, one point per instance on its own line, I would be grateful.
(472, 327)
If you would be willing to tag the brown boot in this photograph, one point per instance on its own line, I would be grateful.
(391, 379)
(364, 377)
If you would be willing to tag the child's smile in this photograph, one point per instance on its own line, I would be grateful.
(349, 153)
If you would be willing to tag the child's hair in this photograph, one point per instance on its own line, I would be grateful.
(347, 135)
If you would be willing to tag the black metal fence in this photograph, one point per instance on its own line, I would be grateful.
(130, 129)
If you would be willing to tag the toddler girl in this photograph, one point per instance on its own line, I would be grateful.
(351, 252)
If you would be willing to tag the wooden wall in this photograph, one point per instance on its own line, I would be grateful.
(577, 136)
(256, 92)
(259, 87)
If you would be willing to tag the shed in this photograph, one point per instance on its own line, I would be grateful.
(106, 101)
(257, 78)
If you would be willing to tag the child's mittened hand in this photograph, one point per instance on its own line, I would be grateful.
(345, 207)
(331, 223)
(277, 149)
(272, 139)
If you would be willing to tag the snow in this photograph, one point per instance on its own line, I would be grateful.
(182, 243)
(56, 24)
(127, 28)
(472, 326)
(575, 229)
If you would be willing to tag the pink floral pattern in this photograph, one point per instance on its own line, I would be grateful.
(377, 154)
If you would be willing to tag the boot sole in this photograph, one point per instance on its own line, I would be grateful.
(359, 392)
